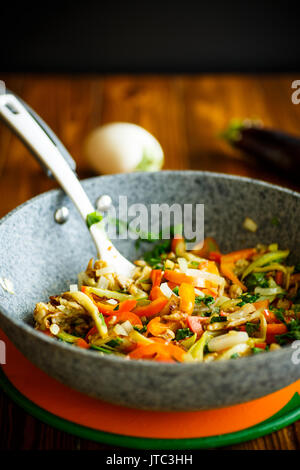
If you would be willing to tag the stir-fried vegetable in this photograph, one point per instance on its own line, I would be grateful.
(181, 306)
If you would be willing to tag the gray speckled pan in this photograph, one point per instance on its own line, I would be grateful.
(42, 258)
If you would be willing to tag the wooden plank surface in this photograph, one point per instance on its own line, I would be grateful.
(186, 114)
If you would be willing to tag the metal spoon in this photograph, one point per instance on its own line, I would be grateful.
(50, 152)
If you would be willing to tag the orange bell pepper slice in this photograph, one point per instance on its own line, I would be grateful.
(156, 277)
(151, 309)
(124, 316)
(264, 304)
(228, 261)
(227, 271)
(158, 351)
(156, 293)
(261, 345)
(81, 343)
(187, 298)
(279, 278)
(126, 305)
(178, 278)
(274, 329)
(215, 256)
(155, 327)
(178, 244)
(206, 247)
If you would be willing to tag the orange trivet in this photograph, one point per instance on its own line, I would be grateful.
(70, 410)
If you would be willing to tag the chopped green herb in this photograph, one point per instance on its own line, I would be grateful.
(113, 343)
(93, 218)
(142, 329)
(104, 349)
(279, 313)
(176, 290)
(117, 307)
(247, 299)
(218, 318)
(182, 333)
(257, 350)
(234, 356)
(293, 332)
(207, 300)
(195, 264)
(256, 279)
(252, 328)
(153, 257)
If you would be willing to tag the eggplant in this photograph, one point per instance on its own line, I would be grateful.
(269, 146)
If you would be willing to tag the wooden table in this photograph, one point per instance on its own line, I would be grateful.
(186, 114)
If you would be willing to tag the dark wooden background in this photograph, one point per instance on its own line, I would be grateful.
(186, 114)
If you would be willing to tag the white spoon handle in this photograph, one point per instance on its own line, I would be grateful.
(32, 134)
(47, 148)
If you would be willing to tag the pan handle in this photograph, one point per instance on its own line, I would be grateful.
(45, 146)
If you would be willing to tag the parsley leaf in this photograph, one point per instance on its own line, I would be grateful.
(142, 329)
(207, 300)
(247, 299)
(251, 328)
(234, 356)
(257, 350)
(256, 279)
(153, 257)
(182, 333)
(93, 218)
(293, 332)
(218, 318)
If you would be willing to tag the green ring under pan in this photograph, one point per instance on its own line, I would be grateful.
(287, 415)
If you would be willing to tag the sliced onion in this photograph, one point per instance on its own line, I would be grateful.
(106, 270)
(203, 275)
(112, 301)
(73, 287)
(119, 330)
(199, 293)
(166, 290)
(127, 326)
(54, 328)
(268, 290)
(219, 343)
(183, 264)
(103, 283)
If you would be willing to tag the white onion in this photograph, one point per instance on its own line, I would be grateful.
(250, 225)
(119, 330)
(106, 270)
(54, 329)
(127, 326)
(183, 265)
(103, 283)
(166, 290)
(199, 293)
(122, 147)
(219, 343)
(203, 275)
(73, 287)
(112, 301)
(7, 285)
